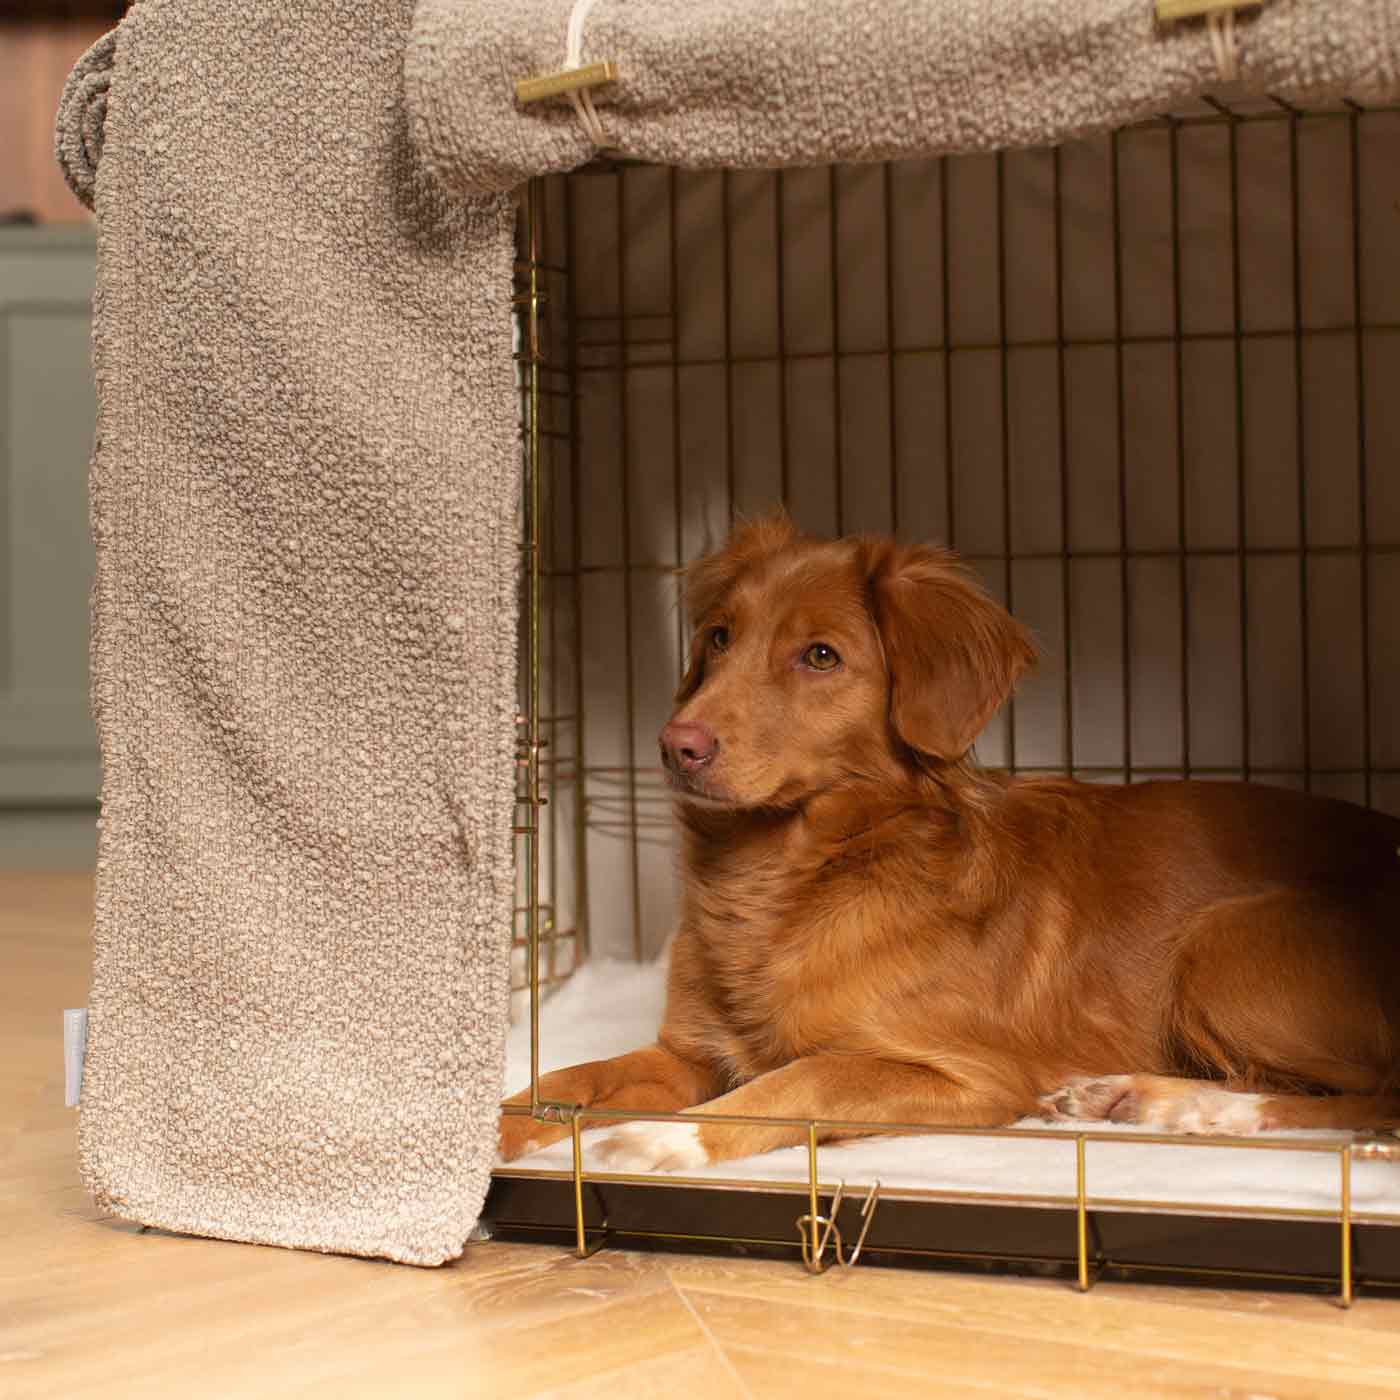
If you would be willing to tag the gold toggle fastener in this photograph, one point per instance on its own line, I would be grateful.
(1168, 11)
(565, 80)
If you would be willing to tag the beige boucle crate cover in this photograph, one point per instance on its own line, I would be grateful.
(304, 494)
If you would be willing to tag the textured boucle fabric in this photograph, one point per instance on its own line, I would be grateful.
(303, 500)
(791, 82)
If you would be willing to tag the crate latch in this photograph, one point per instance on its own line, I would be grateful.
(814, 1248)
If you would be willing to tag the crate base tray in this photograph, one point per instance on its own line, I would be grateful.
(918, 1233)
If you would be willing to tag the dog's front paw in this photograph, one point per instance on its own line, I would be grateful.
(519, 1136)
(1107, 1097)
(645, 1147)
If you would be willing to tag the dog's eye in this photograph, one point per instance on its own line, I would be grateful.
(821, 657)
(719, 638)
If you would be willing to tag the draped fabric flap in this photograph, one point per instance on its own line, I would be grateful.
(304, 504)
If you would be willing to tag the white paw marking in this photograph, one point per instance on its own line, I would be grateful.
(524, 1150)
(644, 1147)
(1166, 1105)
(1210, 1111)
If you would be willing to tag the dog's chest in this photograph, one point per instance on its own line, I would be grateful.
(787, 970)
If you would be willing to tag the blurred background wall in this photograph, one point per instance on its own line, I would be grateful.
(48, 755)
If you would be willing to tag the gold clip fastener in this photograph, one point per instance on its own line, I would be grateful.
(814, 1249)
(565, 80)
(1169, 11)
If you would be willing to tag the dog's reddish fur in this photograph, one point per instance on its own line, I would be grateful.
(876, 929)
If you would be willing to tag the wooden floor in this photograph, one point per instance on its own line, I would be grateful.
(90, 1305)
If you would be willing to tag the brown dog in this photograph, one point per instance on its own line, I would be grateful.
(875, 929)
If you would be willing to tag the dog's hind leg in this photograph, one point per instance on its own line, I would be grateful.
(1293, 993)
(1284, 1013)
(1171, 1105)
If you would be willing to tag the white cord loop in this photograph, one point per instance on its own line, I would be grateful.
(1224, 43)
(573, 58)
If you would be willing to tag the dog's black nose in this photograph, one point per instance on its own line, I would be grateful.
(688, 747)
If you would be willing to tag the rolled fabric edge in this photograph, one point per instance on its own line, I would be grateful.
(82, 116)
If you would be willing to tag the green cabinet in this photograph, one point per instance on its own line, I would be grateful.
(48, 749)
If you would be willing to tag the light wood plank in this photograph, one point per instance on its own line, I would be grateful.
(1334, 1346)
(770, 1375)
(698, 1373)
(873, 1343)
(415, 1355)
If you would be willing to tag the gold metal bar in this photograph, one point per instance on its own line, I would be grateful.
(1345, 1155)
(580, 872)
(1169, 11)
(1082, 1214)
(545, 85)
(812, 1189)
(545, 555)
(831, 1229)
(876, 1126)
(578, 1188)
(867, 1215)
(532, 716)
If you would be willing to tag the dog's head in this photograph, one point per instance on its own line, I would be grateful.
(817, 663)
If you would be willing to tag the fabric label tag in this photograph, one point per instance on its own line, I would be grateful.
(74, 1049)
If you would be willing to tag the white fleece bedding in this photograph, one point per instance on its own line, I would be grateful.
(610, 1007)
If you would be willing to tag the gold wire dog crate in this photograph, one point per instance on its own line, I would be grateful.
(1144, 383)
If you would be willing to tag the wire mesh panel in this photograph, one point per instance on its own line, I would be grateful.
(550, 622)
(1143, 383)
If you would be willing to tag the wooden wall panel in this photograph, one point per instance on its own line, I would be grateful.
(35, 58)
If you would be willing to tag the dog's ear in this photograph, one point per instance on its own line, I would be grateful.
(709, 579)
(954, 654)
